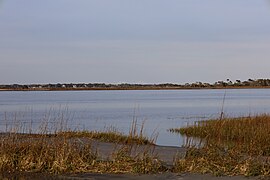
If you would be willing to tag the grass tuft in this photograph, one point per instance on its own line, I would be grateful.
(231, 146)
(135, 135)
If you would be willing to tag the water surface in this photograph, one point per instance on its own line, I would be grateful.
(159, 109)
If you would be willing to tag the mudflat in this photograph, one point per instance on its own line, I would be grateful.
(166, 154)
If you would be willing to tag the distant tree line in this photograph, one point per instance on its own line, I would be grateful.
(71, 86)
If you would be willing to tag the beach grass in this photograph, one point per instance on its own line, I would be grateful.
(58, 155)
(65, 151)
(135, 135)
(228, 146)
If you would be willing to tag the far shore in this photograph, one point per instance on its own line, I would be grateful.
(228, 84)
(134, 88)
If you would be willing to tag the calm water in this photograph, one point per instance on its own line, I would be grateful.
(161, 110)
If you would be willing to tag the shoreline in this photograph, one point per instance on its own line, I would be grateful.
(106, 152)
(136, 88)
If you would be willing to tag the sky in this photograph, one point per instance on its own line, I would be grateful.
(128, 41)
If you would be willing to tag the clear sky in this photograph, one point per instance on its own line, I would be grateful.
(133, 41)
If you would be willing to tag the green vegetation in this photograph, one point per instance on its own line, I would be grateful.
(230, 146)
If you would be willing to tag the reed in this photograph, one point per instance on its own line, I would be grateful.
(43, 154)
(55, 149)
(135, 135)
(58, 155)
(231, 146)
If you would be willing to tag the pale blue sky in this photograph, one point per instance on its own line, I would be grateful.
(134, 41)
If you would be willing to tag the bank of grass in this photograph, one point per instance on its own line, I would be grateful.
(65, 152)
(57, 155)
(135, 135)
(229, 146)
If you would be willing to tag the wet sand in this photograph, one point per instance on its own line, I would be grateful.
(166, 154)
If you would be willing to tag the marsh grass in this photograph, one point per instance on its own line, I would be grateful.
(124, 162)
(57, 150)
(231, 146)
(53, 155)
(135, 135)
(56, 155)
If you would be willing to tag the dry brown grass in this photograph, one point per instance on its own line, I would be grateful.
(58, 155)
(42, 154)
(135, 135)
(230, 146)
(63, 151)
